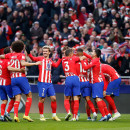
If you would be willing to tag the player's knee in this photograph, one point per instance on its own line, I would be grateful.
(4, 101)
(98, 99)
(29, 95)
(53, 99)
(87, 98)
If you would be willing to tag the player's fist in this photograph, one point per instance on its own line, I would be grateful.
(83, 58)
(22, 70)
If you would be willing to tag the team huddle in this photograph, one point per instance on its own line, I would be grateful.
(85, 76)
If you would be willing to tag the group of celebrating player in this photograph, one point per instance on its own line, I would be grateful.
(85, 75)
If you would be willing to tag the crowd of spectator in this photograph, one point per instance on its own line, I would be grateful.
(87, 24)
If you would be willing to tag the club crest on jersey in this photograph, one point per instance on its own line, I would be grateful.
(48, 67)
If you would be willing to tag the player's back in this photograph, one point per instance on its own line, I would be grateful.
(82, 74)
(110, 72)
(69, 65)
(96, 71)
(4, 73)
(15, 61)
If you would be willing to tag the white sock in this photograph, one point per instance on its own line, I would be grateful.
(53, 114)
(41, 115)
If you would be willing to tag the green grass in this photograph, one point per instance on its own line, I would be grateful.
(123, 123)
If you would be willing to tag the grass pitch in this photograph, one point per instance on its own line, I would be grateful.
(123, 123)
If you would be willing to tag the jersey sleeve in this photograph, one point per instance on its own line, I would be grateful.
(56, 64)
(34, 58)
(23, 57)
(7, 56)
(88, 56)
(86, 67)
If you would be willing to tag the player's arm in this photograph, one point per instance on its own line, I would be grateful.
(88, 56)
(57, 63)
(2, 56)
(33, 58)
(24, 63)
(76, 59)
(105, 85)
(86, 67)
(12, 69)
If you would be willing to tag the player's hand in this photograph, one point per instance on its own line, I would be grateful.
(104, 93)
(22, 70)
(83, 58)
(38, 63)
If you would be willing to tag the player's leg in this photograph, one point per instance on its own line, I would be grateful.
(97, 94)
(91, 106)
(11, 103)
(4, 99)
(41, 108)
(76, 93)
(88, 111)
(67, 97)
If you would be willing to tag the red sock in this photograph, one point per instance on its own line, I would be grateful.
(76, 107)
(110, 109)
(10, 106)
(96, 109)
(53, 106)
(67, 105)
(72, 106)
(3, 106)
(90, 104)
(105, 108)
(16, 106)
(88, 112)
(41, 107)
(112, 103)
(101, 108)
(28, 106)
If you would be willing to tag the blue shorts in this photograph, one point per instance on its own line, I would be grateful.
(85, 89)
(4, 91)
(114, 87)
(20, 85)
(97, 90)
(45, 89)
(72, 86)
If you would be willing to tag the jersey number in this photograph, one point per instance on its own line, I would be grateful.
(67, 66)
(81, 69)
(15, 63)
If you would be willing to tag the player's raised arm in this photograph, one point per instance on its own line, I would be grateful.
(88, 56)
(24, 63)
(57, 63)
(33, 58)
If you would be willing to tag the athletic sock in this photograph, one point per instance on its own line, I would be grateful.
(16, 106)
(3, 106)
(90, 104)
(53, 107)
(41, 107)
(112, 103)
(67, 106)
(10, 106)
(96, 109)
(28, 106)
(88, 112)
(105, 108)
(72, 106)
(110, 109)
(76, 108)
(101, 108)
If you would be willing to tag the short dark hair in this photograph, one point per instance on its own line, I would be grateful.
(79, 50)
(17, 46)
(98, 52)
(7, 50)
(68, 52)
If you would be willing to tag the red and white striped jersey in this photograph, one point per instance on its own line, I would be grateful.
(109, 72)
(82, 74)
(69, 65)
(95, 70)
(45, 68)
(4, 73)
(15, 61)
